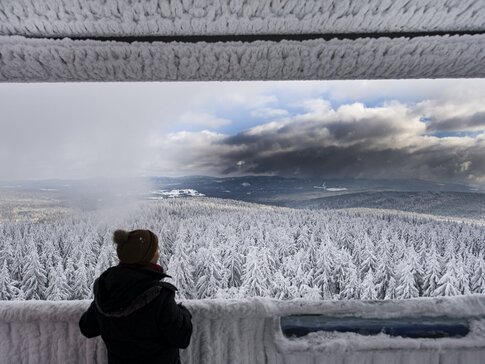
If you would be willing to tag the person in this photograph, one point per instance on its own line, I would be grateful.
(133, 310)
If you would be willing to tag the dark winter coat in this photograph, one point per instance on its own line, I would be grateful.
(136, 315)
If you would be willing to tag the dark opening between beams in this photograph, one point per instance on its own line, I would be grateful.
(416, 327)
(259, 37)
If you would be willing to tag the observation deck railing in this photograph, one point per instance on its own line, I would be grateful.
(249, 331)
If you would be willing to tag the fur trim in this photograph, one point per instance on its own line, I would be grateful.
(142, 300)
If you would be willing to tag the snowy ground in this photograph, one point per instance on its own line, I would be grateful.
(248, 331)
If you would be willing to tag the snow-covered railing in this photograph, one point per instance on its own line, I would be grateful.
(248, 331)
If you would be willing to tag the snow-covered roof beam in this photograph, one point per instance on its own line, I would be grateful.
(115, 40)
(74, 18)
(24, 59)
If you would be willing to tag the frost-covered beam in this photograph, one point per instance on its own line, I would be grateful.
(42, 60)
(75, 18)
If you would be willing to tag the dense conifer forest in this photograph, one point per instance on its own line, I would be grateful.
(223, 248)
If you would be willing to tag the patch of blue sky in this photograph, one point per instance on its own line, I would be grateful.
(455, 133)
(243, 117)
(374, 101)
(371, 100)
(294, 103)
(379, 101)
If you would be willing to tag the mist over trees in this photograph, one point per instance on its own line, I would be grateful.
(221, 248)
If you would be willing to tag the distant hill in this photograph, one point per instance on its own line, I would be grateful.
(457, 204)
(444, 199)
(426, 197)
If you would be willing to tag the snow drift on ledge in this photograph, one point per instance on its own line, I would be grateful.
(43, 60)
(247, 331)
(204, 17)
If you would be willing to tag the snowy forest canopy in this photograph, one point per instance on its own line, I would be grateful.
(222, 248)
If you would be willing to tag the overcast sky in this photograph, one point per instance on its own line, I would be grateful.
(428, 129)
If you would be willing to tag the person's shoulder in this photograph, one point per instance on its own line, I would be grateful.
(168, 286)
(166, 294)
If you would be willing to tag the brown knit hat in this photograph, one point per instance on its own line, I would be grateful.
(136, 246)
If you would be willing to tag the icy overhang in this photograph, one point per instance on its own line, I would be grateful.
(69, 18)
(84, 40)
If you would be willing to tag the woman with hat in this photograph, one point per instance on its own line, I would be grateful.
(133, 310)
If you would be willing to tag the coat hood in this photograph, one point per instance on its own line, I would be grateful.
(123, 289)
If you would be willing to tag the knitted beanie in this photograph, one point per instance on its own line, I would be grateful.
(136, 246)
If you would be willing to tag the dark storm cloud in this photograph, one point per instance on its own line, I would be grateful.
(471, 122)
(350, 142)
(357, 161)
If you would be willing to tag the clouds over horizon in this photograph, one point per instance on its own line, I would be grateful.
(428, 129)
(387, 141)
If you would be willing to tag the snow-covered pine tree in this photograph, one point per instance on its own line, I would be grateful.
(391, 289)
(282, 288)
(34, 277)
(406, 283)
(342, 259)
(210, 277)
(81, 288)
(257, 275)
(448, 284)
(181, 269)
(415, 265)
(105, 258)
(352, 288)
(462, 277)
(384, 270)
(17, 266)
(70, 272)
(58, 288)
(368, 291)
(432, 272)
(323, 277)
(310, 293)
(233, 263)
(303, 273)
(478, 277)
(6, 252)
(8, 291)
(368, 257)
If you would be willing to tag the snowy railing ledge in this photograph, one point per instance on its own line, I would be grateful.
(248, 331)
(459, 306)
(43, 311)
